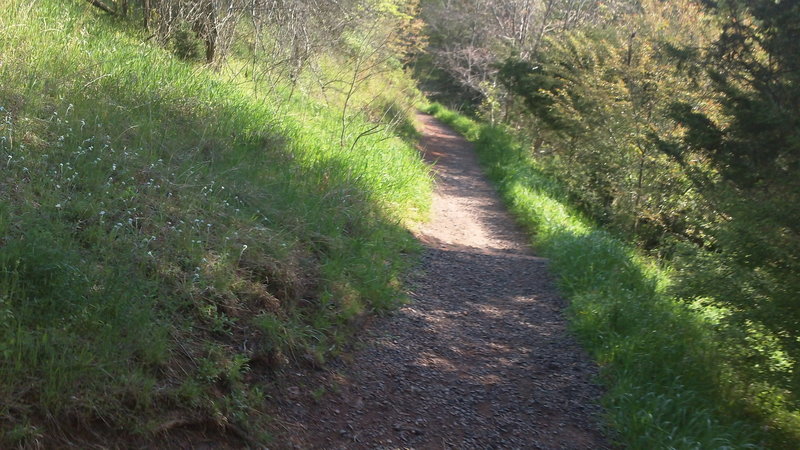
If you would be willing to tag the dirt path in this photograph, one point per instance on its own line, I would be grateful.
(480, 359)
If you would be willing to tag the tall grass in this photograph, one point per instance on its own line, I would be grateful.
(666, 385)
(166, 239)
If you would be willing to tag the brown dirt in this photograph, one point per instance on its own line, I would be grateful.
(480, 359)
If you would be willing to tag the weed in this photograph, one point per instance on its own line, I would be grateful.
(318, 393)
(161, 229)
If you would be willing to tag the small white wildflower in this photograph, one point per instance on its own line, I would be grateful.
(102, 213)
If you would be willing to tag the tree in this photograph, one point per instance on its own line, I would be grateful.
(753, 142)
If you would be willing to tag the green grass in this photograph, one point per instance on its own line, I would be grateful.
(666, 385)
(166, 239)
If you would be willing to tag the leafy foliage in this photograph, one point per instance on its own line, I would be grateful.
(659, 358)
(676, 126)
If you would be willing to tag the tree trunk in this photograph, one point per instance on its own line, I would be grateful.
(146, 13)
(211, 45)
(210, 32)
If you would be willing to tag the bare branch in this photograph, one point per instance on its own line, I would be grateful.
(103, 6)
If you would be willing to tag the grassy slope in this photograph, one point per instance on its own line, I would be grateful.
(165, 238)
(665, 385)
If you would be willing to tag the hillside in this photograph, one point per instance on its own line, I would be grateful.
(172, 234)
(216, 227)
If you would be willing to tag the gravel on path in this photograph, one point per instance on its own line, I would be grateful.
(480, 359)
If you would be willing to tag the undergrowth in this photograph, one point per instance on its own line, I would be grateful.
(666, 385)
(167, 238)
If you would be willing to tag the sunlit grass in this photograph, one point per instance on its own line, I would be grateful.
(667, 384)
(163, 232)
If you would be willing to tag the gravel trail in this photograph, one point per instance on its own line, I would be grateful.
(480, 359)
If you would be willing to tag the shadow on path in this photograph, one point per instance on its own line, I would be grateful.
(480, 359)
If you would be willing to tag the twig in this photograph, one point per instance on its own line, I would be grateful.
(103, 6)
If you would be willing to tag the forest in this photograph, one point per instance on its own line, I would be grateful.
(197, 195)
(675, 126)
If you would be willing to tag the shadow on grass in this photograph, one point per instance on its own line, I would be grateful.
(146, 186)
(661, 363)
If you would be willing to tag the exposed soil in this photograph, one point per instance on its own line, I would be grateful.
(480, 359)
